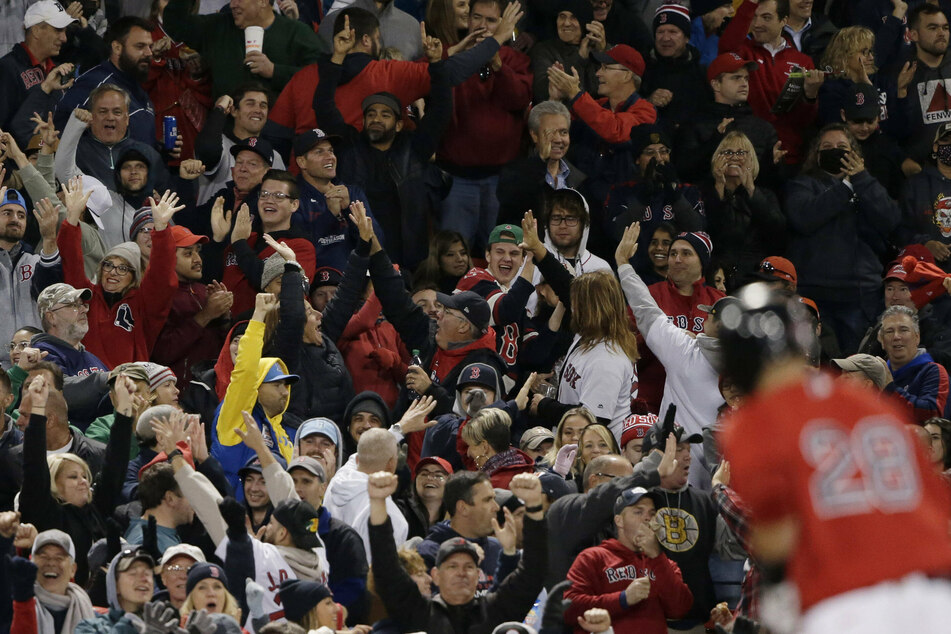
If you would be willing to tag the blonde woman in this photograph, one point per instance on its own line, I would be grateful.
(568, 434)
(596, 440)
(58, 492)
(744, 218)
(207, 589)
(850, 58)
(489, 438)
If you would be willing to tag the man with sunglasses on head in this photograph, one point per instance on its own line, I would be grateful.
(19, 266)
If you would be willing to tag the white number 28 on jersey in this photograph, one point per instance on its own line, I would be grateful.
(871, 467)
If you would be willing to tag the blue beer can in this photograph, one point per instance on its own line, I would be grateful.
(171, 132)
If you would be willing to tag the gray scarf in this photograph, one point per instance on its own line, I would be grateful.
(76, 603)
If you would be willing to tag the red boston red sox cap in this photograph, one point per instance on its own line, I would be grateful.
(624, 55)
(728, 63)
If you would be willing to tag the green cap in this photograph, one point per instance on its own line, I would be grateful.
(499, 234)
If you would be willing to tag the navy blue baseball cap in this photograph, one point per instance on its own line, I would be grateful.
(630, 497)
(470, 304)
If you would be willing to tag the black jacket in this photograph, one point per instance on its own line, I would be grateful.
(815, 40)
(685, 78)
(405, 167)
(11, 473)
(84, 524)
(744, 228)
(510, 602)
(522, 187)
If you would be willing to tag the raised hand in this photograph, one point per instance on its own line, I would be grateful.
(251, 435)
(359, 217)
(83, 115)
(565, 458)
(344, 41)
(506, 27)
(220, 221)
(281, 247)
(289, 8)
(75, 200)
(467, 42)
(242, 224)
(415, 417)
(226, 103)
(528, 488)
(432, 46)
(627, 247)
(124, 388)
(722, 474)
(263, 304)
(190, 169)
(164, 209)
(381, 485)
(169, 432)
(30, 357)
(645, 540)
(507, 533)
(779, 153)
(47, 131)
(521, 399)
(567, 85)
(530, 239)
(668, 464)
(48, 220)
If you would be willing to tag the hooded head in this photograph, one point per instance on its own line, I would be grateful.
(475, 378)
(225, 364)
(134, 176)
(364, 411)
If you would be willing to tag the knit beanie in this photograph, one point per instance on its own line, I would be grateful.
(701, 243)
(200, 571)
(274, 268)
(128, 251)
(673, 14)
(141, 218)
(299, 597)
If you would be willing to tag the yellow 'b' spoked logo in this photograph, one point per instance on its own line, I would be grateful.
(680, 530)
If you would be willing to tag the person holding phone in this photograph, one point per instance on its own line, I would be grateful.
(840, 218)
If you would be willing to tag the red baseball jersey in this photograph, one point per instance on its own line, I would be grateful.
(845, 464)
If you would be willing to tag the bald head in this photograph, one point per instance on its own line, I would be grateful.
(605, 468)
(376, 451)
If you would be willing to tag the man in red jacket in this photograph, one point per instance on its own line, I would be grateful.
(488, 122)
(630, 576)
(777, 59)
(200, 315)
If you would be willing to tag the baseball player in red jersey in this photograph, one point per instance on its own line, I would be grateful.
(841, 496)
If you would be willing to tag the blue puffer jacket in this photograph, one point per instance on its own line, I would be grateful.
(923, 386)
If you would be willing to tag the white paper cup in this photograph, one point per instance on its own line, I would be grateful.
(253, 39)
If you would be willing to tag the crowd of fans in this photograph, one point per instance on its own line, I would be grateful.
(448, 325)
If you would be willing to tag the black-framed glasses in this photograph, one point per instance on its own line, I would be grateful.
(571, 221)
(732, 153)
(122, 268)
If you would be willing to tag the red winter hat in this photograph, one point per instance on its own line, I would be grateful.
(636, 426)
(925, 280)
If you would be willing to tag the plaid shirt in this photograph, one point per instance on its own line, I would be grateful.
(735, 514)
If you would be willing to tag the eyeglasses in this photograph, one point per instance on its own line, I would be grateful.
(732, 153)
(265, 194)
(23, 345)
(614, 67)
(146, 229)
(76, 306)
(176, 568)
(438, 477)
(122, 268)
(656, 152)
(571, 221)
(609, 476)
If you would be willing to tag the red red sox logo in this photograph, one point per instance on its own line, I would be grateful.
(474, 373)
(25, 272)
(663, 18)
(860, 99)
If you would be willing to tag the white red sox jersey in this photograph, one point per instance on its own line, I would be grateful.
(270, 570)
(601, 378)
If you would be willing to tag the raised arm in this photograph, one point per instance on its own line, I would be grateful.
(108, 488)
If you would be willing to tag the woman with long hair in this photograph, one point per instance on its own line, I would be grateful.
(448, 261)
(745, 220)
(596, 440)
(568, 432)
(598, 371)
